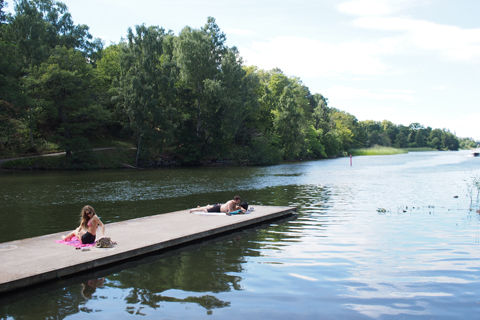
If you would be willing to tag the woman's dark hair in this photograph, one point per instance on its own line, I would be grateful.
(244, 205)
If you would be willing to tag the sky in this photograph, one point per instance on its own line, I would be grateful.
(406, 61)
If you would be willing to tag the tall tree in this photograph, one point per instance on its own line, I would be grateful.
(3, 15)
(218, 92)
(193, 52)
(65, 86)
(146, 89)
(41, 25)
(288, 125)
(36, 29)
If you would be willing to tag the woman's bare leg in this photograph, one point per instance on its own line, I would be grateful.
(74, 233)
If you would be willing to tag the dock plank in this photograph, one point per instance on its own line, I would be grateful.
(36, 260)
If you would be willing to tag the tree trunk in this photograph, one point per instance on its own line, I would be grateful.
(30, 125)
(31, 139)
(138, 150)
(199, 121)
(66, 132)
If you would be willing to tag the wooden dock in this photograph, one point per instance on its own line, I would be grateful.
(37, 260)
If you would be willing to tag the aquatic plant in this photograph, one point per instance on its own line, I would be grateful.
(472, 187)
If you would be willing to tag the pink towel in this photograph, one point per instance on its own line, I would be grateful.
(75, 242)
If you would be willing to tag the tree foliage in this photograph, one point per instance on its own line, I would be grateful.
(64, 86)
(146, 89)
(189, 94)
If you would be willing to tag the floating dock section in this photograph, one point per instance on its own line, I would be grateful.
(37, 260)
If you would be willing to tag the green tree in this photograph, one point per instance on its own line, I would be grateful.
(420, 139)
(218, 93)
(194, 53)
(450, 141)
(11, 93)
(390, 130)
(36, 29)
(325, 126)
(3, 14)
(347, 127)
(39, 26)
(332, 142)
(108, 67)
(467, 143)
(315, 147)
(435, 139)
(65, 86)
(374, 138)
(401, 140)
(288, 125)
(145, 89)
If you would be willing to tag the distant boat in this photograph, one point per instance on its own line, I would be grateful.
(475, 153)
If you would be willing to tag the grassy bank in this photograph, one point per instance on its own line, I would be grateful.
(419, 149)
(123, 154)
(104, 159)
(378, 151)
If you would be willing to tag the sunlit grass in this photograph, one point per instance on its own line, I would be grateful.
(376, 151)
(419, 149)
(382, 151)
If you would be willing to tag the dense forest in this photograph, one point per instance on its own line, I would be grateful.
(188, 95)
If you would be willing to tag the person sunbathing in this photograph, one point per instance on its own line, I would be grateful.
(227, 207)
(86, 232)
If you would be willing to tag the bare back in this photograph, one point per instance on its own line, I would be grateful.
(228, 206)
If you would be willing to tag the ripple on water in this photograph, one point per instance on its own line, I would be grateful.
(340, 259)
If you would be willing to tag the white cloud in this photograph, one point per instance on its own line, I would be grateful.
(337, 93)
(465, 126)
(399, 91)
(449, 41)
(439, 87)
(376, 7)
(312, 58)
(240, 32)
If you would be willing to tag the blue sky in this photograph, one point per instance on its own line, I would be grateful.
(401, 60)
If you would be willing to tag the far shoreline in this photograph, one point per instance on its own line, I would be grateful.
(110, 159)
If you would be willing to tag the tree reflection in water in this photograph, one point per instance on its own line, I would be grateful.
(189, 275)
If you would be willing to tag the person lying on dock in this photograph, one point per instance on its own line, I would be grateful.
(229, 206)
(89, 222)
(240, 209)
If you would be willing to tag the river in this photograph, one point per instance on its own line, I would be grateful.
(390, 237)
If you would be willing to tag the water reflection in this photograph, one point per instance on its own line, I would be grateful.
(91, 286)
(340, 259)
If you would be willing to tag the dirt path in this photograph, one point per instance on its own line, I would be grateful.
(49, 155)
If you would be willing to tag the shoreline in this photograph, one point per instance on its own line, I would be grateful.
(166, 162)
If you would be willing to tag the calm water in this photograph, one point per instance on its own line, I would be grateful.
(339, 259)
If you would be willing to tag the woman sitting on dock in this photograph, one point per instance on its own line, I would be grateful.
(89, 222)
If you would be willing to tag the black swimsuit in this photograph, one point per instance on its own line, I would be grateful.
(215, 208)
(88, 238)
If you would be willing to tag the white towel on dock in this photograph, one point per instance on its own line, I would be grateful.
(209, 213)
